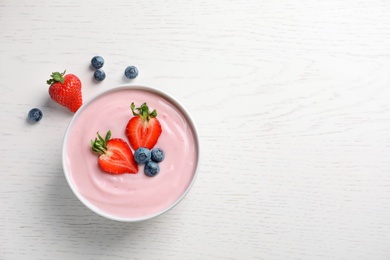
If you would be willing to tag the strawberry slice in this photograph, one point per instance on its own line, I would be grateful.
(115, 155)
(144, 129)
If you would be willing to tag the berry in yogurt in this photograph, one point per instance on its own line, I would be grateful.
(115, 155)
(143, 129)
(157, 155)
(151, 169)
(142, 155)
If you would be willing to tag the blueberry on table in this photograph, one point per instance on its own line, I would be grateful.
(97, 62)
(99, 75)
(142, 155)
(157, 155)
(35, 115)
(151, 169)
(131, 72)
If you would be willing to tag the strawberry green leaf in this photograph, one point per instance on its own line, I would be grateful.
(56, 77)
(108, 136)
(132, 106)
(143, 112)
(100, 138)
(99, 145)
(154, 113)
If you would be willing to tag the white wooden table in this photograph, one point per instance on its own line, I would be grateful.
(292, 104)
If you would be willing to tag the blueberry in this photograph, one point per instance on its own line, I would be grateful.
(131, 72)
(142, 155)
(97, 62)
(35, 115)
(157, 155)
(99, 75)
(151, 169)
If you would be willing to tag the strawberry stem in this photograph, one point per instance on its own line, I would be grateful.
(56, 77)
(99, 145)
(143, 112)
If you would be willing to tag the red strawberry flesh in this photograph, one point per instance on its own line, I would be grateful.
(144, 129)
(115, 155)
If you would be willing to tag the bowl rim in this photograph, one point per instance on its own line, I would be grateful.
(154, 90)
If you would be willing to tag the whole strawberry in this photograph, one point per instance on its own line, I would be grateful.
(66, 90)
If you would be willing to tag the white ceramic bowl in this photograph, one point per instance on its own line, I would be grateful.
(131, 197)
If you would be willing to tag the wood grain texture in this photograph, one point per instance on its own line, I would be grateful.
(291, 100)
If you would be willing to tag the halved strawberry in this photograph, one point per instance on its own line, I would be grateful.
(115, 155)
(144, 129)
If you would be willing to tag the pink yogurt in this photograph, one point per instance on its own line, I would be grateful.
(130, 197)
